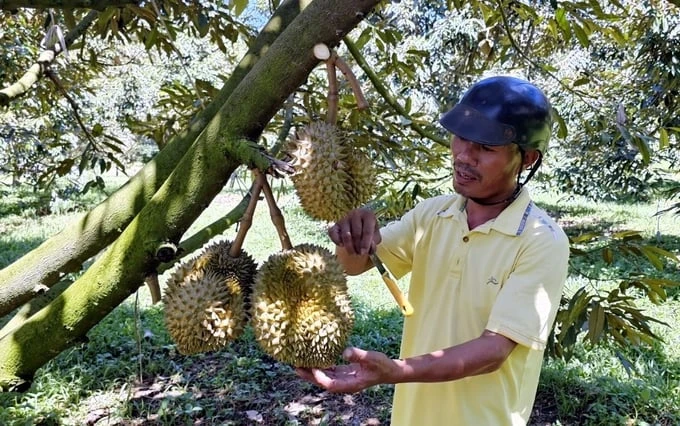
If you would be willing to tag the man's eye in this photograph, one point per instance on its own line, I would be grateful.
(487, 147)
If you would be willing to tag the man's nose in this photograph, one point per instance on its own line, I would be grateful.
(464, 151)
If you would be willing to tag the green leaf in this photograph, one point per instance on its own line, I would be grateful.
(150, 39)
(661, 281)
(584, 238)
(97, 130)
(581, 81)
(239, 6)
(577, 305)
(202, 23)
(656, 293)
(617, 35)
(407, 105)
(116, 161)
(562, 130)
(113, 147)
(580, 35)
(563, 23)
(661, 252)
(596, 323)
(663, 138)
(364, 37)
(627, 235)
(653, 258)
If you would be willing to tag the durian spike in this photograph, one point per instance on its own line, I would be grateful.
(274, 212)
(247, 219)
(362, 103)
(332, 114)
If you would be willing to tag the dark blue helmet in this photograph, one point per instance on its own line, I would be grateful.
(502, 110)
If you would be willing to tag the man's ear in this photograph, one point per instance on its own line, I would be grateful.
(530, 157)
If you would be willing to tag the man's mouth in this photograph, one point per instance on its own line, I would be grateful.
(464, 175)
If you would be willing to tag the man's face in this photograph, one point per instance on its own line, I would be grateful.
(484, 171)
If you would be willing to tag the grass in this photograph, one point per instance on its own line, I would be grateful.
(129, 372)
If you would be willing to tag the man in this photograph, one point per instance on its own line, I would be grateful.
(487, 271)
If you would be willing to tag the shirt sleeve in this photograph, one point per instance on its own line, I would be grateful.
(527, 304)
(400, 237)
(397, 245)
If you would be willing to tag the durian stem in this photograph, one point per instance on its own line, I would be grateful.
(275, 213)
(247, 219)
(362, 103)
(154, 287)
(332, 115)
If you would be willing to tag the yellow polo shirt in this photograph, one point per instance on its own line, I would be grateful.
(505, 276)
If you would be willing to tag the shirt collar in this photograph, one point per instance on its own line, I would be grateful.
(511, 221)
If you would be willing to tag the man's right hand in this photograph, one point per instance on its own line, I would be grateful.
(357, 233)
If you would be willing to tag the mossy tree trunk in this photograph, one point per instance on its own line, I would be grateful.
(199, 176)
(65, 252)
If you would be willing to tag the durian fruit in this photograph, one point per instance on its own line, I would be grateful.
(203, 311)
(363, 178)
(302, 314)
(331, 176)
(217, 258)
(206, 301)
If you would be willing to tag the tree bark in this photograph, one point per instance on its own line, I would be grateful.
(65, 252)
(195, 181)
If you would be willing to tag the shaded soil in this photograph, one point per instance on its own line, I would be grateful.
(203, 395)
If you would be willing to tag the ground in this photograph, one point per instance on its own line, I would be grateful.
(201, 394)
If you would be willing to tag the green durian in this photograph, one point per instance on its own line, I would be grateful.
(204, 311)
(331, 176)
(216, 258)
(207, 299)
(302, 313)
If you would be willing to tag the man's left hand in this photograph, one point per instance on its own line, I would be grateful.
(365, 369)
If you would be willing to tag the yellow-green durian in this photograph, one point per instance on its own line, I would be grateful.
(325, 169)
(203, 310)
(207, 299)
(362, 183)
(302, 313)
(215, 258)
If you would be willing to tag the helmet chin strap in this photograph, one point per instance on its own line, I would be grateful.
(518, 187)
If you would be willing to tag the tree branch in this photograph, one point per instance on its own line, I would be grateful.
(530, 61)
(63, 4)
(85, 237)
(385, 93)
(74, 105)
(45, 58)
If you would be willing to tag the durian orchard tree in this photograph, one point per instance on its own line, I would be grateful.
(413, 59)
(183, 188)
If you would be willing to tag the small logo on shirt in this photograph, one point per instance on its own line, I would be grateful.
(492, 281)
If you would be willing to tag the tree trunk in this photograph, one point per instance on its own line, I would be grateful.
(188, 245)
(65, 252)
(195, 181)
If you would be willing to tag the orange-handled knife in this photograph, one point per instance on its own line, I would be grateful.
(402, 301)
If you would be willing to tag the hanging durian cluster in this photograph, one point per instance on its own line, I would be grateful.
(207, 299)
(331, 176)
(301, 308)
(217, 258)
